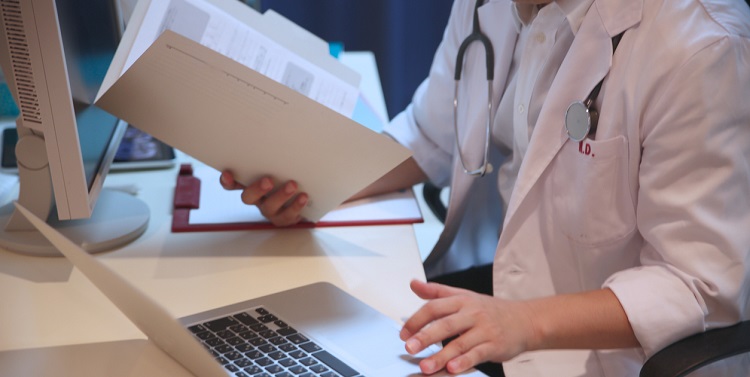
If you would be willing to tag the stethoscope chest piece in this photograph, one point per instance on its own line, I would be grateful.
(580, 121)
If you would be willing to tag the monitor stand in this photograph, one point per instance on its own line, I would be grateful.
(118, 218)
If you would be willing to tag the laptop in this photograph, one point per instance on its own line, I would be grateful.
(314, 330)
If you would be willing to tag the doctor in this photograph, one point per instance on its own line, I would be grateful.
(614, 246)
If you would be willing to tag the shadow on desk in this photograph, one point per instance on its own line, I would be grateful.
(126, 358)
(52, 270)
(260, 243)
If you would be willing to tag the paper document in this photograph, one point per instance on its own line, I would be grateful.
(219, 206)
(232, 117)
(296, 66)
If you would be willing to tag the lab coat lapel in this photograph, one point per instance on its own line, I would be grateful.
(499, 26)
(587, 62)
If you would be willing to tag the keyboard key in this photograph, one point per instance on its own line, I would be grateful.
(253, 370)
(267, 318)
(214, 342)
(318, 368)
(277, 341)
(273, 369)
(233, 355)
(205, 335)
(335, 364)
(244, 348)
(195, 329)
(258, 341)
(277, 355)
(248, 335)
(297, 354)
(246, 318)
(261, 311)
(288, 363)
(297, 338)
(224, 334)
(243, 363)
(235, 341)
(268, 334)
(308, 361)
(298, 369)
(267, 348)
(220, 324)
(223, 348)
(280, 323)
(310, 347)
(285, 331)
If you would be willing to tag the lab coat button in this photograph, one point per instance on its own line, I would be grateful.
(541, 38)
(521, 109)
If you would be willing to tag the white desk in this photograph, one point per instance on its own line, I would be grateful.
(54, 322)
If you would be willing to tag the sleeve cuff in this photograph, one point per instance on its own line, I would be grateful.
(660, 307)
(431, 159)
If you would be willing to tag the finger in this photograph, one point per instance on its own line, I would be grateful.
(429, 291)
(452, 357)
(275, 201)
(464, 352)
(290, 214)
(227, 181)
(433, 309)
(253, 193)
(437, 331)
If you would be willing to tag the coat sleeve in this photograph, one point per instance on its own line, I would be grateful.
(693, 201)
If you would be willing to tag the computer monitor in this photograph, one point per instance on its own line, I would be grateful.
(55, 54)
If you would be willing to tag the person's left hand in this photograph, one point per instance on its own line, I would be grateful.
(487, 328)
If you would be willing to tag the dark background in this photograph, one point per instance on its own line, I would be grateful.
(403, 34)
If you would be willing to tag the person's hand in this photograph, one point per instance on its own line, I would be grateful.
(486, 328)
(280, 204)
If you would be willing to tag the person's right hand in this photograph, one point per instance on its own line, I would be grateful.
(280, 204)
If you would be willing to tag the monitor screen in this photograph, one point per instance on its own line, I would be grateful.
(90, 34)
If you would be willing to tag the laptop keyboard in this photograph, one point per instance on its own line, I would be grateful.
(256, 343)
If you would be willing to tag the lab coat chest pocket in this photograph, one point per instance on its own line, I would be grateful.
(592, 202)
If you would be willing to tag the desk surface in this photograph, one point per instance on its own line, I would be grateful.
(47, 303)
(51, 316)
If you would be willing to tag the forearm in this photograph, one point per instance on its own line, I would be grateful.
(588, 320)
(405, 175)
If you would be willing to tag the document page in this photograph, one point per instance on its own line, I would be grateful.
(205, 23)
(233, 118)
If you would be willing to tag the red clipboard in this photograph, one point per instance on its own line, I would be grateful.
(187, 198)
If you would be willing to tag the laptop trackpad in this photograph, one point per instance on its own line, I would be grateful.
(347, 327)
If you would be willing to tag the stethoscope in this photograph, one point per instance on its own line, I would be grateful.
(580, 118)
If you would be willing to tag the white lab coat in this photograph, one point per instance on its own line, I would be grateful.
(657, 207)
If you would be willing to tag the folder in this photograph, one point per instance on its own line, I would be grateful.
(231, 214)
(226, 114)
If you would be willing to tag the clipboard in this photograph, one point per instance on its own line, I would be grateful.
(187, 200)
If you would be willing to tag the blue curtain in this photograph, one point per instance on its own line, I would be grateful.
(403, 34)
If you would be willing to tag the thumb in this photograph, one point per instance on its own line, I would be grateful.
(429, 291)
